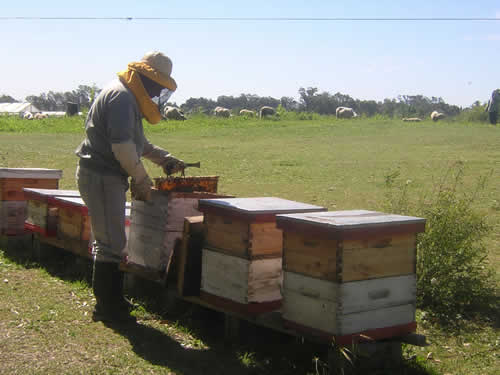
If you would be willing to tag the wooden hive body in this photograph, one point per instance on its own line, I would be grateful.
(246, 227)
(347, 308)
(349, 272)
(73, 218)
(241, 280)
(242, 257)
(12, 182)
(156, 226)
(42, 213)
(12, 217)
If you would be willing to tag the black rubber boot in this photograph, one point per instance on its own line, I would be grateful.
(493, 117)
(105, 280)
(117, 290)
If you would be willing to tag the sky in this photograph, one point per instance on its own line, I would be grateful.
(366, 59)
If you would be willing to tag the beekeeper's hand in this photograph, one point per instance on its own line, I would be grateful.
(172, 165)
(141, 190)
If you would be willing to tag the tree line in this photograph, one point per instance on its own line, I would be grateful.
(57, 101)
(310, 100)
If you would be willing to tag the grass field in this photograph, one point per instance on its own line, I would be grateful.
(334, 163)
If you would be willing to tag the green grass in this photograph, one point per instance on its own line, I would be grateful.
(340, 164)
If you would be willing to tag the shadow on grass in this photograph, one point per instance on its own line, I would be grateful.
(57, 262)
(160, 349)
(260, 350)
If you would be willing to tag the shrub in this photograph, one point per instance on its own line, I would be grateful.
(452, 273)
(476, 113)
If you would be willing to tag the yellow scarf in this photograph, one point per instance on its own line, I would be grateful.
(131, 79)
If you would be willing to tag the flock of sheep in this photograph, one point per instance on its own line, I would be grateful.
(174, 113)
(36, 116)
(435, 116)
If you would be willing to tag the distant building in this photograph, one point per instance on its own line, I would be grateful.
(17, 108)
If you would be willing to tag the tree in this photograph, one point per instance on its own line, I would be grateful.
(7, 99)
(307, 97)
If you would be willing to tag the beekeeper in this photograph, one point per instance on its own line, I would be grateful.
(493, 107)
(110, 153)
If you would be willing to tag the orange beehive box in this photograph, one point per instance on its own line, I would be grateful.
(13, 180)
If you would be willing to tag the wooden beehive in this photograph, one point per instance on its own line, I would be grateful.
(242, 255)
(346, 246)
(12, 216)
(241, 280)
(246, 227)
(156, 225)
(350, 272)
(74, 219)
(42, 213)
(13, 180)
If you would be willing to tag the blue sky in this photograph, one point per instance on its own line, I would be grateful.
(455, 60)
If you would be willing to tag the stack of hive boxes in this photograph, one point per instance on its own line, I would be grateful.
(13, 204)
(242, 255)
(350, 272)
(155, 227)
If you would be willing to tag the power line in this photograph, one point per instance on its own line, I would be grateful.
(249, 19)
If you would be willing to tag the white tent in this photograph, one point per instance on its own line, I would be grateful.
(17, 108)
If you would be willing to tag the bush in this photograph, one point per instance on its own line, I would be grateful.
(452, 273)
(476, 113)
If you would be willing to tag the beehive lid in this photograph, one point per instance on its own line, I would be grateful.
(30, 173)
(75, 203)
(47, 193)
(344, 224)
(264, 207)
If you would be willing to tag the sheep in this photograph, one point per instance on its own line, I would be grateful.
(345, 112)
(39, 116)
(435, 115)
(266, 111)
(222, 112)
(412, 119)
(28, 116)
(173, 113)
(247, 112)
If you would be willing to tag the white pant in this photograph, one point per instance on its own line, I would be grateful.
(105, 197)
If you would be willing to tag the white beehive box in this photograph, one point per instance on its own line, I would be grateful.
(241, 280)
(347, 308)
(156, 225)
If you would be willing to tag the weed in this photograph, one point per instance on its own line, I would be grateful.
(452, 272)
(247, 359)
